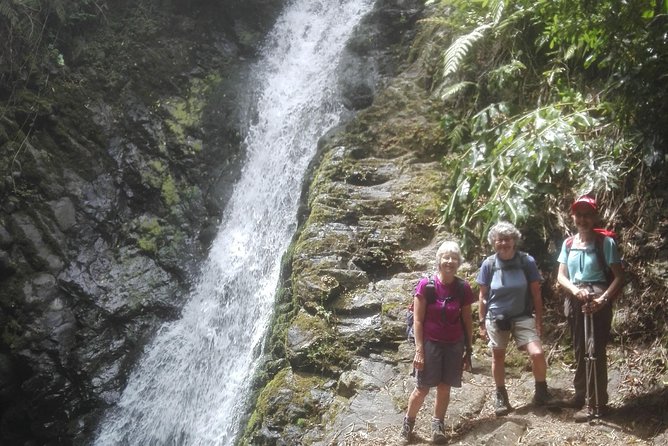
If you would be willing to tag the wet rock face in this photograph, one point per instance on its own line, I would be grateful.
(375, 51)
(112, 182)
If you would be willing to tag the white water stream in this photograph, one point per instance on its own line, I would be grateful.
(190, 386)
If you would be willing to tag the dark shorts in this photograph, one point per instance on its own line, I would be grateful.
(442, 364)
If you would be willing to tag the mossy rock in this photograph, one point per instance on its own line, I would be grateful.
(290, 401)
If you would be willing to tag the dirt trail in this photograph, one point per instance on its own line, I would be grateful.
(638, 420)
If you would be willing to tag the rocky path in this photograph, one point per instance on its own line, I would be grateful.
(373, 416)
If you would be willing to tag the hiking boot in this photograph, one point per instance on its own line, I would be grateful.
(438, 432)
(502, 405)
(572, 403)
(407, 430)
(542, 397)
(582, 415)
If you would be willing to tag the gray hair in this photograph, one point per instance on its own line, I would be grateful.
(448, 247)
(503, 229)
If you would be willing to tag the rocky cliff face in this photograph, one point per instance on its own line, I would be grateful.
(115, 170)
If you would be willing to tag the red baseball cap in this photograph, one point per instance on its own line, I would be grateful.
(585, 200)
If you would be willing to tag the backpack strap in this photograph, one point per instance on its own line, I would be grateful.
(430, 289)
(524, 265)
(457, 290)
(599, 241)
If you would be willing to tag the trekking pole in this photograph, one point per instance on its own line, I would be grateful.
(590, 360)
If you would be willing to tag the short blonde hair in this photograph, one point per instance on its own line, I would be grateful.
(448, 247)
(503, 229)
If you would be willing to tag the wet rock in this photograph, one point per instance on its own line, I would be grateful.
(6, 266)
(35, 241)
(8, 380)
(6, 238)
(64, 213)
(372, 53)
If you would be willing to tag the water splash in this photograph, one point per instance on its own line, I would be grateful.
(191, 384)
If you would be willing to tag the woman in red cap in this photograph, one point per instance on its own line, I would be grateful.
(590, 271)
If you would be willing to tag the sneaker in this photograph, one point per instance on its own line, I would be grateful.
(502, 405)
(407, 430)
(438, 432)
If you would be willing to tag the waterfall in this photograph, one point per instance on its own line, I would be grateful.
(190, 385)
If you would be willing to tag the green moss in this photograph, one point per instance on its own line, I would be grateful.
(148, 245)
(297, 406)
(185, 114)
(306, 322)
(169, 193)
(154, 177)
(196, 145)
(150, 232)
(181, 117)
(389, 307)
(328, 355)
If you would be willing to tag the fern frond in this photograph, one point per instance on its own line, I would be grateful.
(435, 21)
(497, 7)
(456, 53)
(458, 133)
(455, 89)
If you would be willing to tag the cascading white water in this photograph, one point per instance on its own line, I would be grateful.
(190, 385)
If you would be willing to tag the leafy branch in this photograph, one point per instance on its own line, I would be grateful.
(516, 166)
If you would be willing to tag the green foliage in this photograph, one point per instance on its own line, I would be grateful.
(455, 54)
(516, 166)
(33, 30)
(533, 127)
(590, 30)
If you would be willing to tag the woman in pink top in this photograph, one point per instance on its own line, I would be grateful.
(443, 330)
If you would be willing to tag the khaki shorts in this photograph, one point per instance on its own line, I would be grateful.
(522, 330)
